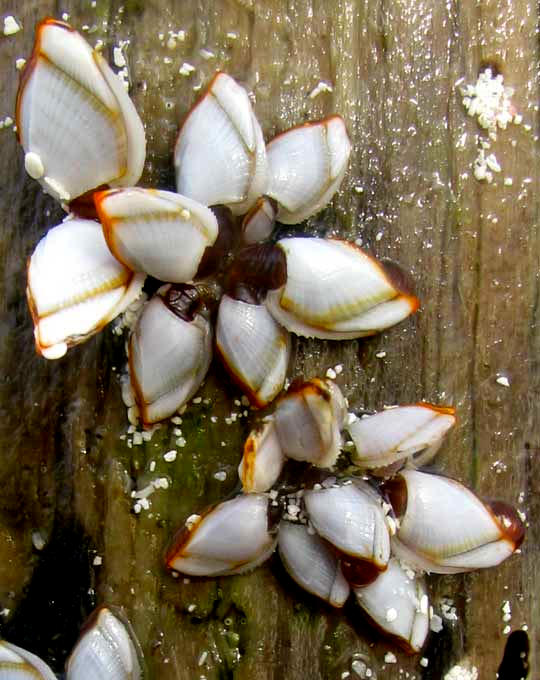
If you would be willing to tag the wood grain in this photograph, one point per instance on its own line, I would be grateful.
(410, 194)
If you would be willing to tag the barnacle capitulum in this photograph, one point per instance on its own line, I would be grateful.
(106, 650)
(230, 538)
(445, 528)
(254, 348)
(400, 433)
(397, 604)
(351, 518)
(75, 121)
(308, 419)
(259, 222)
(306, 165)
(220, 155)
(335, 291)
(170, 350)
(311, 563)
(75, 286)
(157, 232)
(19, 664)
(262, 460)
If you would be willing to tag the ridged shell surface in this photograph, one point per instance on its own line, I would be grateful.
(168, 359)
(310, 562)
(220, 156)
(350, 519)
(75, 286)
(396, 433)
(231, 538)
(75, 121)
(254, 347)
(262, 461)
(19, 664)
(306, 166)
(398, 604)
(156, 232)
(334, 290)
(446, 528)
(104, 651)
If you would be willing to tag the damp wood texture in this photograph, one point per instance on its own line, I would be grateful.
(390, 69)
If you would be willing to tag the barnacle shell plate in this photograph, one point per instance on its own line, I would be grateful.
(220, 155)
(168, 359)
(336, 291)
(351, 518)
(75, 121)
(262, 461)
(404, 598)
(231, 538)
(312, 564)
(254, 347)
(447, 529)
(306, 166)
(104, 651)
(75, 286)
(18, 664)
(308, 422)
(157, 232)
(396, 433)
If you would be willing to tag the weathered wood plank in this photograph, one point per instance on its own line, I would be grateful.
(409, 194)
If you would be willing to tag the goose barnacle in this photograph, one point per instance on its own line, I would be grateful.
(445, 528)
(75, 121)
(18, 664)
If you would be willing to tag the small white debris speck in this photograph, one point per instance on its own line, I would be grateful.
(181, 442)
(424, 604)
(11, 25)
(192, 607)
(137, 508)
(345, 675)
(118, 57)
(389, 657)
(321, 87)
(5, 612)
(391, 614)
(359, 668)
(330, 373)
(202, 658)
(37, 540)
(381, 354)
(170, 456)
(186, 69)
(435, 623)
(137, 439)
(98, 561)
(503, 380)
(379, 236)
(152, 466)
(20, 63)
(206, 54)
(424, 661)
(221, 476)
(462, 673)
(197, 400)
(192, 520)
(176, 420)
(33, 165)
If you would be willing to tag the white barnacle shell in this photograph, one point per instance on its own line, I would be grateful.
(157, 232)
(220, 156)
(398, 605)
(351, 518)
(311, 563)
(105, 650)
(259, 222)
(230, 538)
(262, 461)
(335, 291)
(170, 350)
(306, 166)
(254, 347)
(308, 421)
(18, 664)
(75, 286)
(75, 121)
(398, 433)
(445, 528)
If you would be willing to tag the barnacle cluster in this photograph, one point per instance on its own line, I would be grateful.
(209, 253)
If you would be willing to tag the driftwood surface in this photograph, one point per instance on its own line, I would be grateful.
(410, 195)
